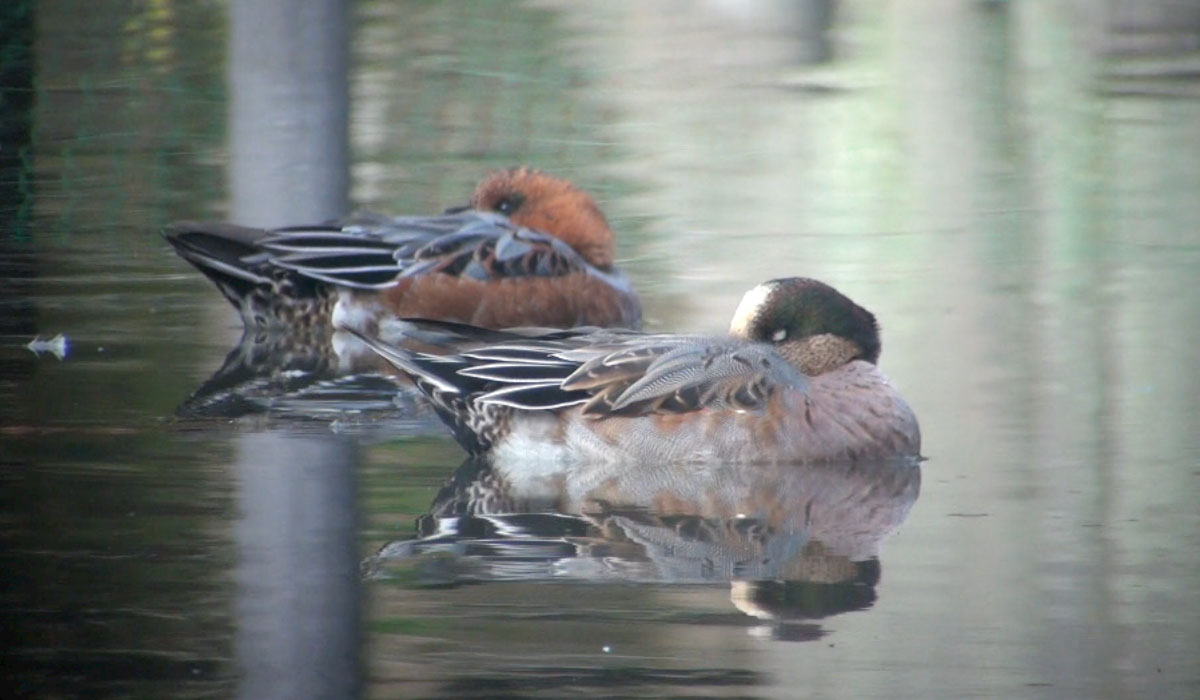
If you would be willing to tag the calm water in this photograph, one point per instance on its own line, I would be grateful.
(1011, 188)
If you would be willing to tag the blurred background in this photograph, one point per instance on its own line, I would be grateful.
(1010, 186)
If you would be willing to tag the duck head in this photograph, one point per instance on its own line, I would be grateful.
(814, 326)
(538, 201)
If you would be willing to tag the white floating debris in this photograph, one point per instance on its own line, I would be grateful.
(56, 346)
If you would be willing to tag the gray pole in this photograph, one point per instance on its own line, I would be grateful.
(288, 114)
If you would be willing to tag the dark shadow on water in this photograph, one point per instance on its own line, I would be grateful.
(16, 121)
(112, 568)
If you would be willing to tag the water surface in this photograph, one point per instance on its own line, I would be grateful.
(1010, 187)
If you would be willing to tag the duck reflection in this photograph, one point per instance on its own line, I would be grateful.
(303, 373)
(796, 542)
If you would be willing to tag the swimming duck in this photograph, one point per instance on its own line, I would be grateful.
(795, 381)
(529, 249)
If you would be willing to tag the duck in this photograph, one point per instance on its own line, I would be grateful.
(528, 249)
(795, 380)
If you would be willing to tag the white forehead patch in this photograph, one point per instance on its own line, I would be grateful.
(752, 303)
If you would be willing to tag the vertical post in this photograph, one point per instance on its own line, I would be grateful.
(288, 120)
(814, 19)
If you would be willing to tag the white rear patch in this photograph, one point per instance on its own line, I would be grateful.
(533, 450)
(355, 312)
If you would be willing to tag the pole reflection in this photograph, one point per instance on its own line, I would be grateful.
(297, 574)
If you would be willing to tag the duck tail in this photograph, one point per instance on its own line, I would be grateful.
(230, 256)
(422, 369)
(223, 252)
(451, 395)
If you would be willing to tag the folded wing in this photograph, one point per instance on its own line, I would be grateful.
(374, 253)
(607, 373)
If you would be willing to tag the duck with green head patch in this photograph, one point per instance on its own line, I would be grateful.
(794, 381)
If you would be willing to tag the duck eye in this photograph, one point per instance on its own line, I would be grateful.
(779, 335)
(509, 203)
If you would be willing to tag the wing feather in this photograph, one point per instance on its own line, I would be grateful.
(607, 372)
(658, 374)
(374, 253)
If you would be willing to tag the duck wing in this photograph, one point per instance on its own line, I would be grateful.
(619, 373)
(375, 252)
(683, 374)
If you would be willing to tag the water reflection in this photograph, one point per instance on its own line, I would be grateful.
(297, 595)
(300, 373)
(795, 542)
